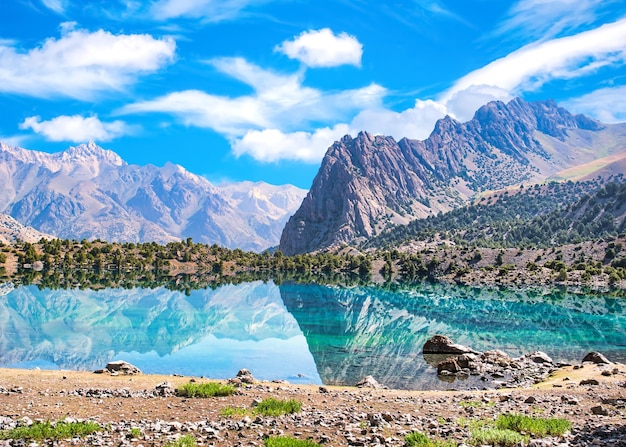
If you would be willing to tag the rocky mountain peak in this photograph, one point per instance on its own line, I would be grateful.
(368, 183)
(90, 153)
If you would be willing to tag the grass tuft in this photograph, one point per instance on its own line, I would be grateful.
(277, 407)
(46, 430)
(228, 412)
(287, 441)
(211, 389)
(417, 439)
(497, 437)
(537, 426)
(183, 441)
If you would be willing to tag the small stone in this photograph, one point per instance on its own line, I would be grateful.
(600, 410)
(530, 400)
(589, 382)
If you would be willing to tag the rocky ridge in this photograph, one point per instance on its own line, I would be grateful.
(368, 183)
(88, 192)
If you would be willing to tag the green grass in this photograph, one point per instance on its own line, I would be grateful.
(537, 426)
(286, 441)
(183, 441)
(417, 439)
(276, 407)
(48, 430)
(228, 412)
(497, 437)
(211, 389)
(135, 432)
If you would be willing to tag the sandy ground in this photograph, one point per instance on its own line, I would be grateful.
(337, 416)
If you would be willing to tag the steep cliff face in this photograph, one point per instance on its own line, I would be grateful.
(370, 182)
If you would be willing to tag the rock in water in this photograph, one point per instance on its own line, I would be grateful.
(596, 357)
(122, 367)
(440, 344)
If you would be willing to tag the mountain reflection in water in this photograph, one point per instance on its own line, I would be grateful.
(304, 333)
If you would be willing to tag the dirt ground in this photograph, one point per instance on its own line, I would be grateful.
(335, 416)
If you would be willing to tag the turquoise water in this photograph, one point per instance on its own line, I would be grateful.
(301, 333)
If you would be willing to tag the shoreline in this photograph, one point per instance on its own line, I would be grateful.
(336, 416)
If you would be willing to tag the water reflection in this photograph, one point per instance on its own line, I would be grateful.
(305, 333)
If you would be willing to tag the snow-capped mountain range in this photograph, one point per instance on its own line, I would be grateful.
(89, 192)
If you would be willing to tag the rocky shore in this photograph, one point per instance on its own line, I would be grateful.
(144, 410)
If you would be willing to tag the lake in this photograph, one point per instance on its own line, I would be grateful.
(303, 333)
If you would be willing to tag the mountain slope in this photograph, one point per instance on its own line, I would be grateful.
(11, 230)
(89, 192)
(368, 183)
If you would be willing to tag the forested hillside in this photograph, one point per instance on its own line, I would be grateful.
(537, 216)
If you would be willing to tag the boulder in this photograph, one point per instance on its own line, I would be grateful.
(596, 357)
(244, 376)
(122, 367)
(440, 344)
(450, 365)
(539, 357)
(368, 382)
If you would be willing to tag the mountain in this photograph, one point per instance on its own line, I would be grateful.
(88, 192)
(369, 183)
(11, 230)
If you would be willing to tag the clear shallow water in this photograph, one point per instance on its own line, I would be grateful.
(302, 333)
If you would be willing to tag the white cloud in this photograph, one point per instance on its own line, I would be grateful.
(279, 102)
(57, 6)
(322, 48)
(528, 68)
(607, 104)
(209, 10)
(81, 64)
(271, 145)
(416, 122)
(546, 19)
(76, 128)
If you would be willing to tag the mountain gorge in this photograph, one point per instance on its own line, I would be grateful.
(369, 183)
(88, 192)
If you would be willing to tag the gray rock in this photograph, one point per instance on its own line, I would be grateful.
(368, 382)
(440, 344)
(600, 410)
(596, 357)
(539, 357)
(122, 367)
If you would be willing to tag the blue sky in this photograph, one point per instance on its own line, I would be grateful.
(258, 89)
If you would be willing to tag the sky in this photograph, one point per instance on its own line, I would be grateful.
(258, 90)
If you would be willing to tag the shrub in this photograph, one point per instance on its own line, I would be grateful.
(233, 411)
(276, 407)
(286, 441)
(211, 389)
(47, 430)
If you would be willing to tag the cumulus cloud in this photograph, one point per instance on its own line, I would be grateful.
(271, 145)
(280, 101)
(76, 128)
(208, 10)
(322, 48)
(607, 104)
(530, 67)
(81, 64)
